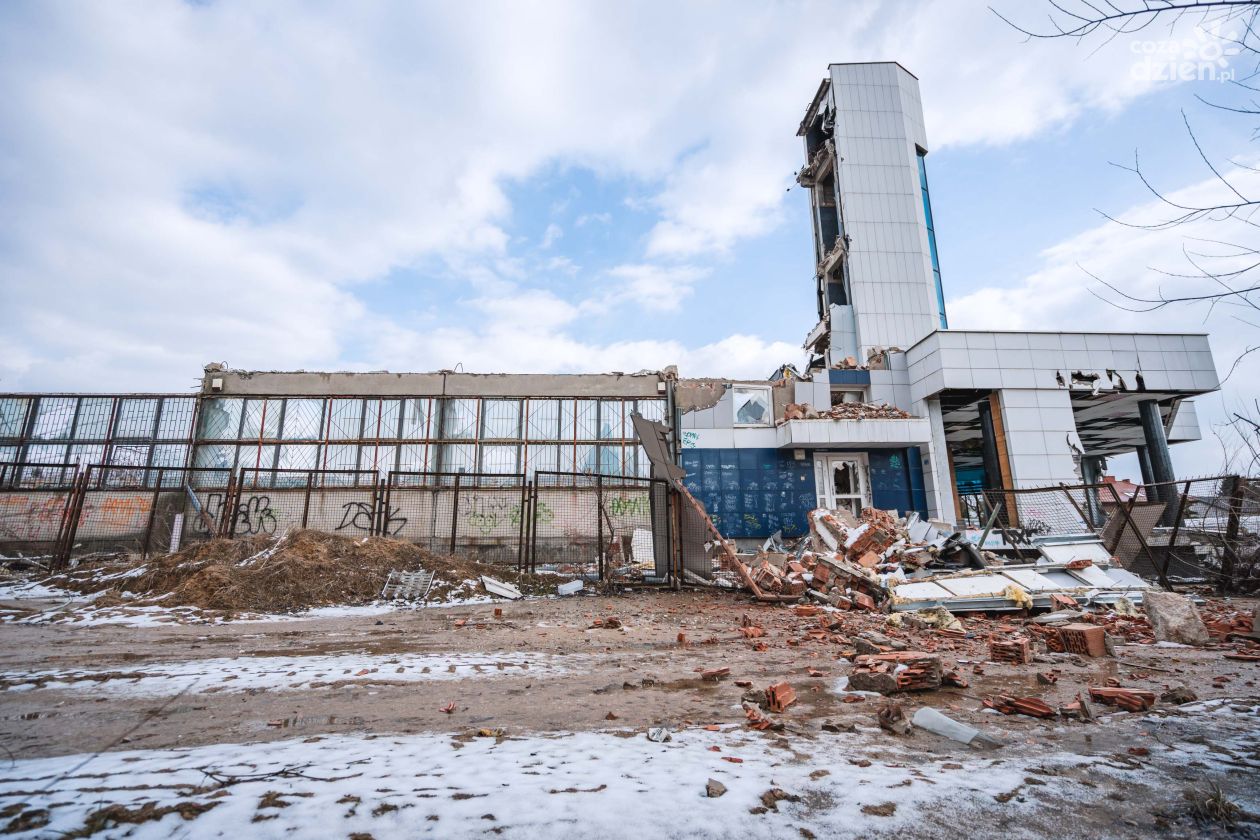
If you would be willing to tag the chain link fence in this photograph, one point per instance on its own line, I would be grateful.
(1198, 528)
(597, 525)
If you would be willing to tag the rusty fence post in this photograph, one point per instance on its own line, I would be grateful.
(599, 520)
(1229, 556)
(148, 529)
(533, 528)
(306, 499)
(455, 513)
(1176, 531)
(522, 526)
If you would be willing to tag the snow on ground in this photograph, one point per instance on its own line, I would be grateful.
(594, 784)
(201, 676)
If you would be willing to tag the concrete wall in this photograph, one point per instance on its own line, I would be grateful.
(1040, 433)
(879, 123)
(378, 384)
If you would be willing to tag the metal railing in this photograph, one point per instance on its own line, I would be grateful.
(597, 525)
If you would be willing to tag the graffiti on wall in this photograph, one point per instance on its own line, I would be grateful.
(357, 516)
(487, 514)
(254, 516)
(37, 516)
(629, 506)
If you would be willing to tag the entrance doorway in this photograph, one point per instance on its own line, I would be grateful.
(842, 482)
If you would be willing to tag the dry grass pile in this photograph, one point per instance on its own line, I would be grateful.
(303, 569)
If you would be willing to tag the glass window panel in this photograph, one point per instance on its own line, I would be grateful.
(415, 419)
(842, 478)
(611, 420)
(87, 453)
(262, 420)
(501, 419)
(46, 454)
(345, 419)
(93, 422)
(262, 457)
(643, 467)
(136, 418)
(752, 406)
(341, 456)
(580, 458)
(53, 418)
(220, 419)
(544, 420)
(378, 458)
(303, 419)
(8, 454)
(13, 416)
(499, 460)
(215, 456)
(546, 458)
(299, 457)
(611, 460)
(129, 455)
(177, 417)
(652, 410)
(459, 420)
(577, 419)
(413, 457)
(382, 419)
(170, 455)
(459, 457)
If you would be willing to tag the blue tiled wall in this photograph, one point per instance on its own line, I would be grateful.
(752, 492)
(755, 492)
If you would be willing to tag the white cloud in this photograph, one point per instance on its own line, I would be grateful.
(1063, 294)
(185, 182)
(550, 235)
(652, 287)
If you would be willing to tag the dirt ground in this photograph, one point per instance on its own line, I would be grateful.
(540, 669)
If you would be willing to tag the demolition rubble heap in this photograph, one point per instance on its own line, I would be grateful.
(844, 411)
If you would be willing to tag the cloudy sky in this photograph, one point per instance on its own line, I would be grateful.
(544, 186)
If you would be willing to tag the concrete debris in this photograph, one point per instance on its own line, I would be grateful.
(892, 718)
(889, 673)
(1178, 695)
(713, 789)
(1129, 699)
(573, 587)
(844, 411)
(1174, 618)
(659, 734)
(498, 587)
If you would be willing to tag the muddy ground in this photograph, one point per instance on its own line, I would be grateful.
(541, 669)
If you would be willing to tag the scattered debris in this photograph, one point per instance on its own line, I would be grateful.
(659, 734)
(1174, 618)
(713, 789)
(498, 587)
(892, 718)
(937, 723)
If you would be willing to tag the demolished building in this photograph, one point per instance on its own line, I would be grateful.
(971, 410)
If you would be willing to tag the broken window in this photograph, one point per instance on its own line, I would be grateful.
(752, 405)
(415, 419)
(459, 420)
(651, 410)
(216, 456)
(221, 419)
(612, 419)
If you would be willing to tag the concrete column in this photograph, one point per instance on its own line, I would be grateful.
(1144, 465)
(1160, 457)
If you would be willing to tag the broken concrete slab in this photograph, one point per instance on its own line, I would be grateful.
(1174, 618)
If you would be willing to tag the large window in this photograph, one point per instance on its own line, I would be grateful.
(931, 232)
(752, 405)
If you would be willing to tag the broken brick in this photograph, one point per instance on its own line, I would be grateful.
(779, 696)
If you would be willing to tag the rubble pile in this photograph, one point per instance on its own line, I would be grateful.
(844, 411)
(294, 571)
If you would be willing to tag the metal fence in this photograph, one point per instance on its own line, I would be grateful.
(600, 525)
(1205, 528)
